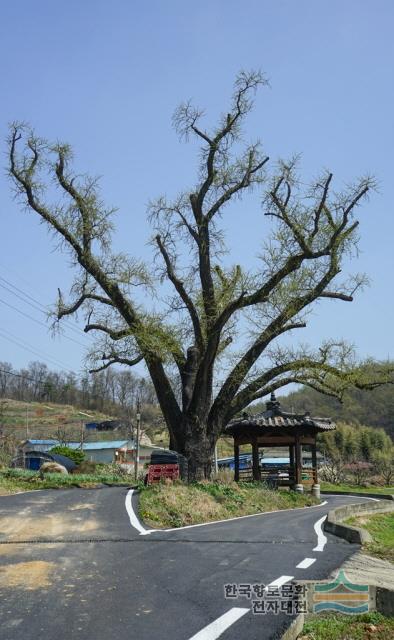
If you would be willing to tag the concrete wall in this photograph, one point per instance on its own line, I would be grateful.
(334, 523)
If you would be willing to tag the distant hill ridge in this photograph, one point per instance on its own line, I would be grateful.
(371, 408)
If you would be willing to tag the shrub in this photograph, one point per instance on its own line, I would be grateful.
(359, 470)
(384, 464)
(86, 466)
(74, 454)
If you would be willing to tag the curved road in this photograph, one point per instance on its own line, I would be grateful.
(72, 565)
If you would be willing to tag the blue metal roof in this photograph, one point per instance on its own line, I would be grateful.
(43, 441)
(88, 446)
(109, 444)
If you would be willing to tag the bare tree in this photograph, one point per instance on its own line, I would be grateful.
(202, 373)
(5, 378)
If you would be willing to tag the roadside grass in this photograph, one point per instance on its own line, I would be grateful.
(381, 528)
(177, 504)
(333, 626)
(15, 480)
(354, 488)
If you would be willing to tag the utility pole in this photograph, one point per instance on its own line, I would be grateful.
(82, 434)
(137, 443)
(27, 422)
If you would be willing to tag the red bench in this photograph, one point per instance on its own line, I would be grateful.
(157, 472)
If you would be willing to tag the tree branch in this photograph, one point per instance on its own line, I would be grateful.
(337, 295)
(274, 329)
(66, 311)
(114, 335)
(229, 193)
(178, 284)
(117, 360)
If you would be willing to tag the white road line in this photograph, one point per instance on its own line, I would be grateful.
(306, 562)
(252, 515)
(219, 626)
(132, 516)
(143, 532)
(347, 495)
(321, 538)
(278, 582)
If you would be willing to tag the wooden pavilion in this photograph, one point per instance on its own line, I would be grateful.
(275, 427)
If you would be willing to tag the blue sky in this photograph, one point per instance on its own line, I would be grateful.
(107, 76)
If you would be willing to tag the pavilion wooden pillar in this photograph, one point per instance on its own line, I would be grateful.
(314, 462)
(236, 462)
(255, 461)
(298, 460)
(291, 460)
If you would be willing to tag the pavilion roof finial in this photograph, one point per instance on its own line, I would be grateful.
(273, 404)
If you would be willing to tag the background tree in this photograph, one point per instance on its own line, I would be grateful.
(191, 347)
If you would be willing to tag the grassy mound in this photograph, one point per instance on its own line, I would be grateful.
(15, 480)
(178, 505)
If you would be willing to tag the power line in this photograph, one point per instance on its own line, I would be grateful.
(31, 349)
(41, 308)
(28, 344)
(19, 375)
(35, 306)
(23, 313)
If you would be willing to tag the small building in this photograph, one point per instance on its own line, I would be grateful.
(104, 451)
(278, 428)
(37, 445)
(33, 460)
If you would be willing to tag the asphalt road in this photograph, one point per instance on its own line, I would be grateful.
(73, 566)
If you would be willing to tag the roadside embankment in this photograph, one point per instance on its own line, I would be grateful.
(178, 504)
(336, 518)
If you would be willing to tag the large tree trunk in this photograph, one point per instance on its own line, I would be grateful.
(199, 449)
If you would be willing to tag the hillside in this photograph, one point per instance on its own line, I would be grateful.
(372, 408)
(45, 420)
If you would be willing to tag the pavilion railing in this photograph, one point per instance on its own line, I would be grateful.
(282, 477)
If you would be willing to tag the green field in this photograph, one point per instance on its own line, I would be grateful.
(354, 488)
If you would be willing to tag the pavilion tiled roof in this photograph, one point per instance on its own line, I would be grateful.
(274, 417)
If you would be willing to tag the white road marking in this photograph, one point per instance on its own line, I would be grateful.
(219, 626)
(144, 532)
(347, 495)
(306, 562)
(321, 538)
(252, 515)
(132, 516)
(278, 582)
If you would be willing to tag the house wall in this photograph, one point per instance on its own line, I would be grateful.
(105, 456)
